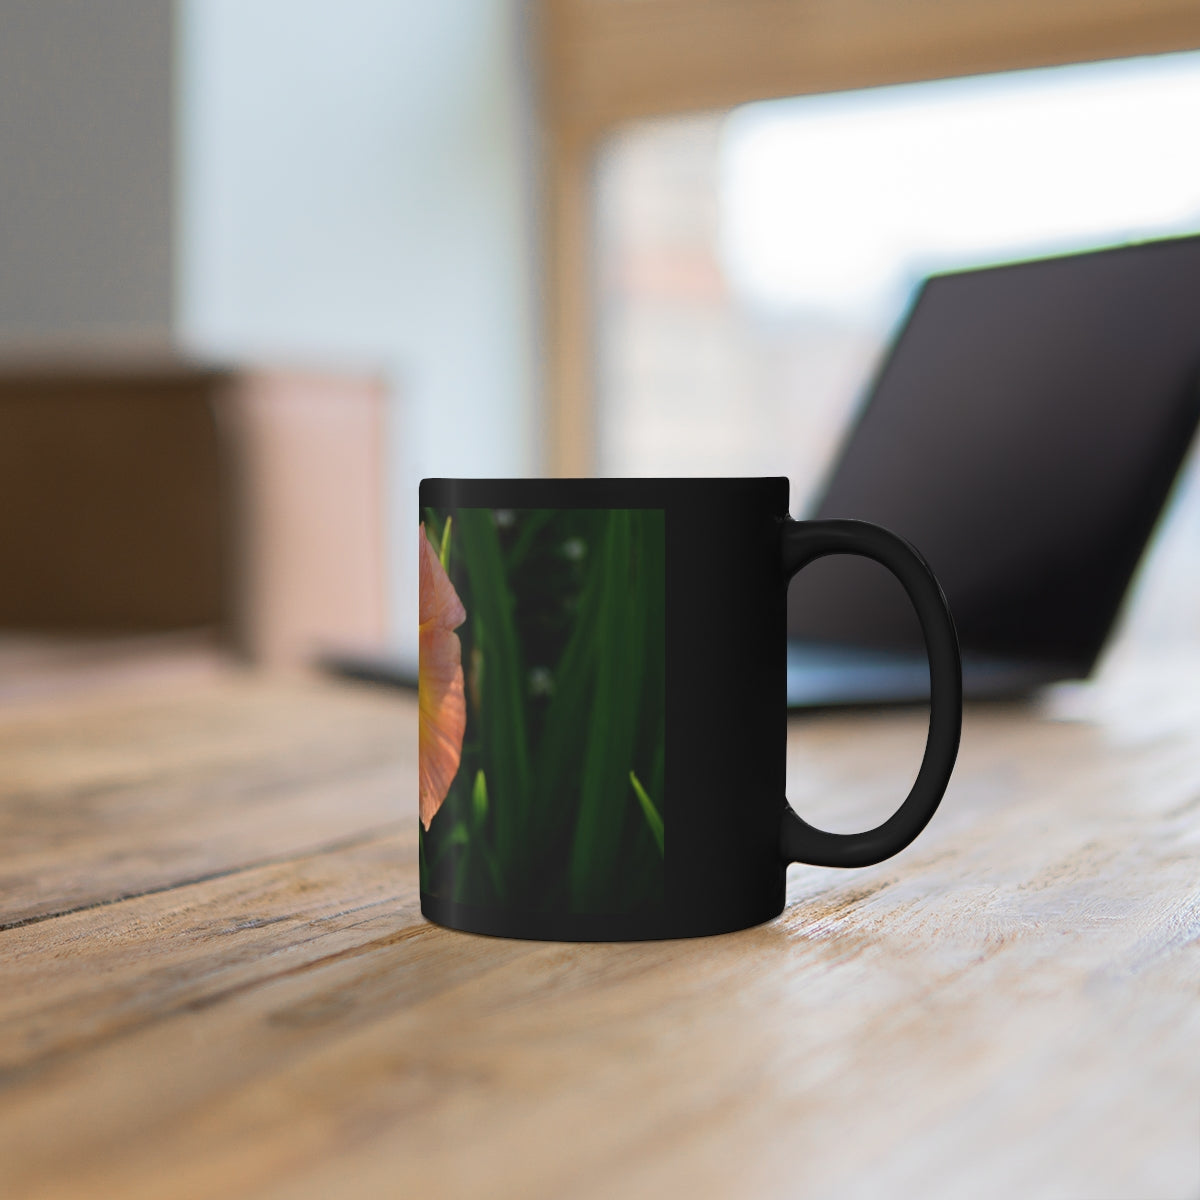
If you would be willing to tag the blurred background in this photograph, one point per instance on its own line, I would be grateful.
(264, 265)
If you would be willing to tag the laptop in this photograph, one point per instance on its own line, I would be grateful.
(1023, 432)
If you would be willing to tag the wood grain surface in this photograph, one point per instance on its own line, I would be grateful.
(215, 980)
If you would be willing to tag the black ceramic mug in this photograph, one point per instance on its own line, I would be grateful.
(602, 706)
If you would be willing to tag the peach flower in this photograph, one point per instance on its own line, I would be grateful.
(443, 706)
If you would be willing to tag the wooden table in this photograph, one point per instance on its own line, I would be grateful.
(216, 981)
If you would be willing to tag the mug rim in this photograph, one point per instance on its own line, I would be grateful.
(635, 491)
(592, 479)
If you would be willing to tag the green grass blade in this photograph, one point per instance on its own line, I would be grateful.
(651, 812)
(444, 552)
(565, 727)
(503, 721)
(619, 632)
(479, 798)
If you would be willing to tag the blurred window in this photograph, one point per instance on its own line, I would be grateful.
(752, 265)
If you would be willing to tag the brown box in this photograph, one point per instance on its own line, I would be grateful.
(175, 497)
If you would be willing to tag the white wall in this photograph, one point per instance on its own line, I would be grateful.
(291, 181)
(86, 167)
(355, 187)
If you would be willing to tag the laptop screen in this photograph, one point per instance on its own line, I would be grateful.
(1023, 433)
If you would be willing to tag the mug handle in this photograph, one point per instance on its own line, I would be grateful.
(805, 541)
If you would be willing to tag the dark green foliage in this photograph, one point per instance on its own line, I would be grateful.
(563, 649)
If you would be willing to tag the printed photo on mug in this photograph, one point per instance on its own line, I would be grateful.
(542, 708)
